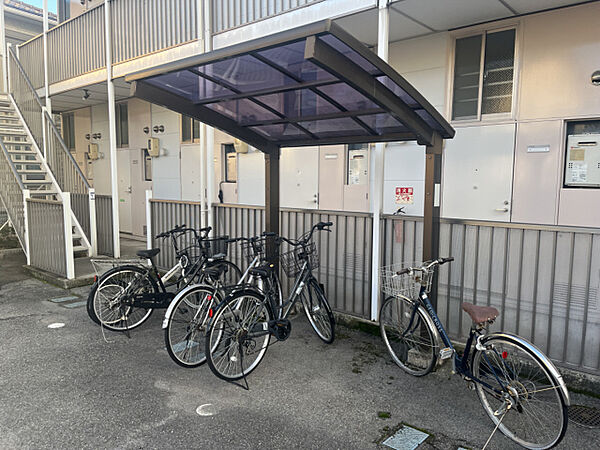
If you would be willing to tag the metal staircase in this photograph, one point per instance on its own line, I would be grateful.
(49, 201)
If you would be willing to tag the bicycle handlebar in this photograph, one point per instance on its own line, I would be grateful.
(182, 228)
(426, 266)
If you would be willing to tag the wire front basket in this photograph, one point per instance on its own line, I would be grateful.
(293, 260)
(215, 246)
(252, 249)
(406, 285)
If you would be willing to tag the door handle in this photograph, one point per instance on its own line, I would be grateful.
(505, 209)
(129, 190)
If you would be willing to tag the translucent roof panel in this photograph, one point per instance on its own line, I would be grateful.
(307, 86)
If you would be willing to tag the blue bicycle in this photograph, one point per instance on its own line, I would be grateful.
(519, 387)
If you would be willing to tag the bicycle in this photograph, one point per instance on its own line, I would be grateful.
(240, 330)
(124, 297)
(512, 377)
(190, 311)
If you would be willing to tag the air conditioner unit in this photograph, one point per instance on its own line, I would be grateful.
(240, 146)
(93, 152)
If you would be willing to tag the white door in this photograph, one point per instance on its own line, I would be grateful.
(478, 169)
(331, 177)
(124, 176)
(299, 177)
(191, 171)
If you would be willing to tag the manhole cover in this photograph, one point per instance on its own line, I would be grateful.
(586, 416)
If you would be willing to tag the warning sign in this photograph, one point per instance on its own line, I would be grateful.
(405, 196)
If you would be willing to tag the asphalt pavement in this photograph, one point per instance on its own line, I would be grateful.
(75, 388)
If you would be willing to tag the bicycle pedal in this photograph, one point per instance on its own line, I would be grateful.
(446, 353)
(281, 329)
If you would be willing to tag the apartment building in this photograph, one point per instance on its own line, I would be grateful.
(513, 77)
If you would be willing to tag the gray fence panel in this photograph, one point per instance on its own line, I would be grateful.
(80, 204)
(47, 236)
(141, 27)
(228, 14)
(104, 224)
(31, 54)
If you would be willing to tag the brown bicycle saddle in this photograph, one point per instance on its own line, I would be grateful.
(480, 314)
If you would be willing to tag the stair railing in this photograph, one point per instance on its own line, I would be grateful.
(62, 168)
(13, 196)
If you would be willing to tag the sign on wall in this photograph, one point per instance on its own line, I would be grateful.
(405, 196)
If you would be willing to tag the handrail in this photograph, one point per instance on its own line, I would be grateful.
(66, 150)
(12, 165)
(25, 77)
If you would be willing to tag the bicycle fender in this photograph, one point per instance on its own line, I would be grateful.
(180, 294)
(539, 355)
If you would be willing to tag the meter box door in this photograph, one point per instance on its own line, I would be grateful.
(582, 167)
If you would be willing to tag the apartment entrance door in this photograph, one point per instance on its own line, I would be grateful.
(124, 176)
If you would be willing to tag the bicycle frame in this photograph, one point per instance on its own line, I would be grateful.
(461, 365)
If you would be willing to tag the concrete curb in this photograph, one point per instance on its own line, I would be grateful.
(10, 251)
(576, 381)
(58, 280)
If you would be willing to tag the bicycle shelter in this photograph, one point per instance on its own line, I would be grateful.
(308, 86)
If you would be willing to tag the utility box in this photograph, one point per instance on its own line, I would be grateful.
(93, 152)
(582, 166)
(240, 146)
(154, 147)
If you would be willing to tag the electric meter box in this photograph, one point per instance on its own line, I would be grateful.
(93, 151)
(582, 167)
(240, 146)
(154, 147)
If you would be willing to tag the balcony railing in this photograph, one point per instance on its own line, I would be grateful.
(138, 27)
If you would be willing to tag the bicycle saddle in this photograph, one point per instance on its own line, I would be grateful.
(261, 271)
(148, 253)
(480, 314)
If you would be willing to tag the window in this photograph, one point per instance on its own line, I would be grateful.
(230, 158)
(483, 80)
(582, 156)
(122, 125)
(190, 129)
(358, 164)
(68, 126)
(147, 164)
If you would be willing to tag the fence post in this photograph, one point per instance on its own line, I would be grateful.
(68, 228)
(93, 223)
(148, 219)
(26, 196)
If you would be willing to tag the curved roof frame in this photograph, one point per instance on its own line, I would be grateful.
(335, 91)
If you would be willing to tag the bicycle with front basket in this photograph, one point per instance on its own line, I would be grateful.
(240, 331)
(188, 315)
(124, 297)
(520, 389)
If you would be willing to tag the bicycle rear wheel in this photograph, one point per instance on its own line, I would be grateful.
(107, 301)
(185, 330)
(318, 311)
(408, 336)
(532, 412)
(238, 335)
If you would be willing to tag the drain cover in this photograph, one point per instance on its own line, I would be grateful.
(406, 438)
(586, 416)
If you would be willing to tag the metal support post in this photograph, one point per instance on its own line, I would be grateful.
(26, 196)
(45, 42)
(207, 134)
(3, 50)
(44, 135)
(148, 219)
(377, 162)
(272, 199)
(112, 135)
(70, 260)
(431, 216)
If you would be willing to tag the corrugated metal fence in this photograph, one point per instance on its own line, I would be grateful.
(47, 235)
(31, 54)
(543, 280)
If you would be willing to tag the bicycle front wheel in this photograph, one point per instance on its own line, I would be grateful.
(238, 335)
(531, 409)
(186, 327)
(408, 336)
(109, 298)
(318, 311)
